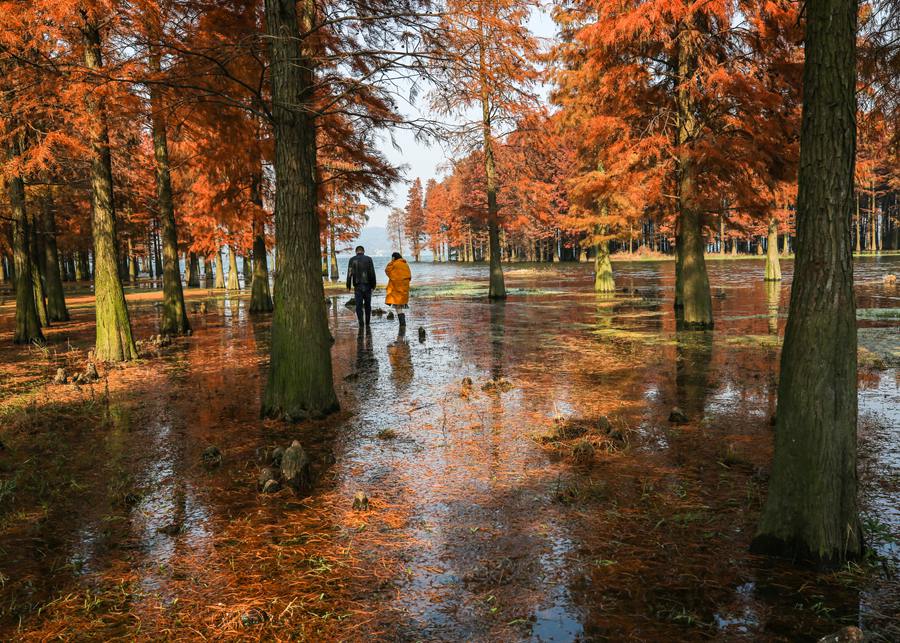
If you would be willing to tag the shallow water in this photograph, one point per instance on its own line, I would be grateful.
(476, 531)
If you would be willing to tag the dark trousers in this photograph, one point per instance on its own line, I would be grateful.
(363, 296)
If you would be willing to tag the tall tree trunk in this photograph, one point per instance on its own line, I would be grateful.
(233, 282)
(811, 511)
(260, 296)
(114, 341)
(36, 252)
(28, 326)
(300, 382)
(773, 267)
(174, 319)
(193, 270)
(219, 270)
(693, 301)
(858, 226)
(246, 269)
(56, 299)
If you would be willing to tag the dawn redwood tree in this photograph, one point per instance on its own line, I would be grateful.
(114, 341)
(811, 511)
(300, 382)
(415, 218)
(484, 57)
(395, 224)
(678, 99)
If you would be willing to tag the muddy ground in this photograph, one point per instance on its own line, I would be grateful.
(551, 500)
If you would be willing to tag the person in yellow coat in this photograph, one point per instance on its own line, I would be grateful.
(399, 277)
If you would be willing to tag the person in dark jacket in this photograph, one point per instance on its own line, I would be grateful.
(361, 279)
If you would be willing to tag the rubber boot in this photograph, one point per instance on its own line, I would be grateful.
(401, 317)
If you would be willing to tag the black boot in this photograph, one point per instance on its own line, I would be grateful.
(402, 319)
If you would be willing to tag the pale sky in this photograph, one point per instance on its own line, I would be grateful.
(422, 160)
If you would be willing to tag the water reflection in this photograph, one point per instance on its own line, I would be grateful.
(693, 357)
(400, 358)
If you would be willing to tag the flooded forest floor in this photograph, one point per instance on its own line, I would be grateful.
(548, 497)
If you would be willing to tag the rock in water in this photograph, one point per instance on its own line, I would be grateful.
(677, 416)
(350, 303)
(849, 634)
(61, 377)
(295, 467)
(378, 312)
(361, 501)
(390, 314)
(421, 334)
(212, 457)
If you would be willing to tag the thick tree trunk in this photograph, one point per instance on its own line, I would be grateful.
(174, 319)
(693, 301)
(773, 267)
(811, 511)
(603, 274)
(260, 296)
(300, 382)
(36, 253)
(28, 326)
(56, 299)
(219, 270)
(233, 282)
(193, 270)
(114, 341)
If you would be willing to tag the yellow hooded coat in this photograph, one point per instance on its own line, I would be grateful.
(398, 283)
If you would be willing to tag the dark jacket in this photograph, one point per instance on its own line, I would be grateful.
(361, 272)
